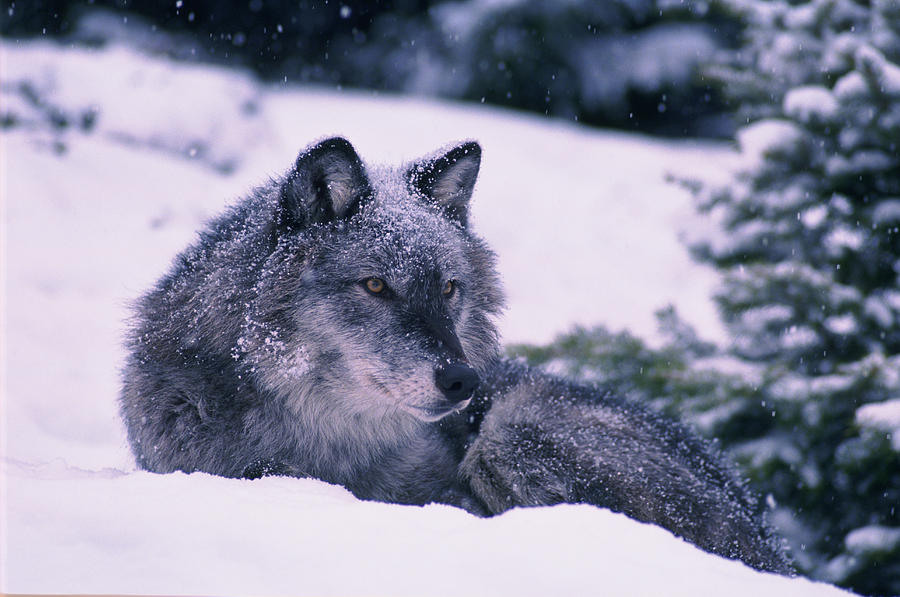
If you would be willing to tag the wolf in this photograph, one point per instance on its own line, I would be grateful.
(340, 323)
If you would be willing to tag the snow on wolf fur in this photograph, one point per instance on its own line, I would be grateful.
(338, 324)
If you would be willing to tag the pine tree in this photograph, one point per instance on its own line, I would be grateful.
(685, 377)
(810, 258)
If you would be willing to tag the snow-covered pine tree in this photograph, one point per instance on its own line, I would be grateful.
(810, 257)
(624, 63)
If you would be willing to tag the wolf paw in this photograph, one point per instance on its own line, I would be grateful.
(503, 481)
(459, 497)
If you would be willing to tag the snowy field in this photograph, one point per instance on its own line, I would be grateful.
(586, 228)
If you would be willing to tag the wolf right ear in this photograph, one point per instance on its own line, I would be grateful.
(448, 181)
(327, 182)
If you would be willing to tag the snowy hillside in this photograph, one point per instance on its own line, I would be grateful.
(113, 162)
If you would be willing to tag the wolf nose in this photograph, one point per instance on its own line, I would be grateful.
(456, 381)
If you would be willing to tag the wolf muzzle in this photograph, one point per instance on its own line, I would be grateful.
(456, 381)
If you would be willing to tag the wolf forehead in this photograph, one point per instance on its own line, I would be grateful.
(396, 233)
(411, 219)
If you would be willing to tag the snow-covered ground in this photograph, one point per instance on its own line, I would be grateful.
(586, 228)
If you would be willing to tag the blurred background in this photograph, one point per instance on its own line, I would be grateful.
(803, 391)
(624, 63)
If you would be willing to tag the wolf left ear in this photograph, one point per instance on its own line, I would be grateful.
(448, 181)
(328, 182)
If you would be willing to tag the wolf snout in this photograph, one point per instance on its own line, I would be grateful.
(456, 381)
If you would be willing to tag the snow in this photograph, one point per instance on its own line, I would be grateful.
(876, 308)
(800, 388)
(800, 337)
(887, 211)
(841, 324)
(765, 137)
(768, 316)
(811, 103)
(768, 449)
(887, 75)
(283, 536)
(861, 162)
(843, 237)
(884, 417)
(814, 216)
(850, 87)
(586, 228)
(862, 542)
(873, 538)
(80, 81)
(645, 60)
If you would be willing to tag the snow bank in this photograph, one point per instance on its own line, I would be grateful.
(586, 230)
(198, 534)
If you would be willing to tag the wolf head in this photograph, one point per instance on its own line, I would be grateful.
(377, 301)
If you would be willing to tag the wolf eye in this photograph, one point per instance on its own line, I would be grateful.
(449, 288)
(375, 286)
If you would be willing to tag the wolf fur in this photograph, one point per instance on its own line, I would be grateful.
(338, 323)
(545, 440)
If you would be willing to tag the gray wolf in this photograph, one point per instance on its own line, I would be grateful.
(338, 323)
